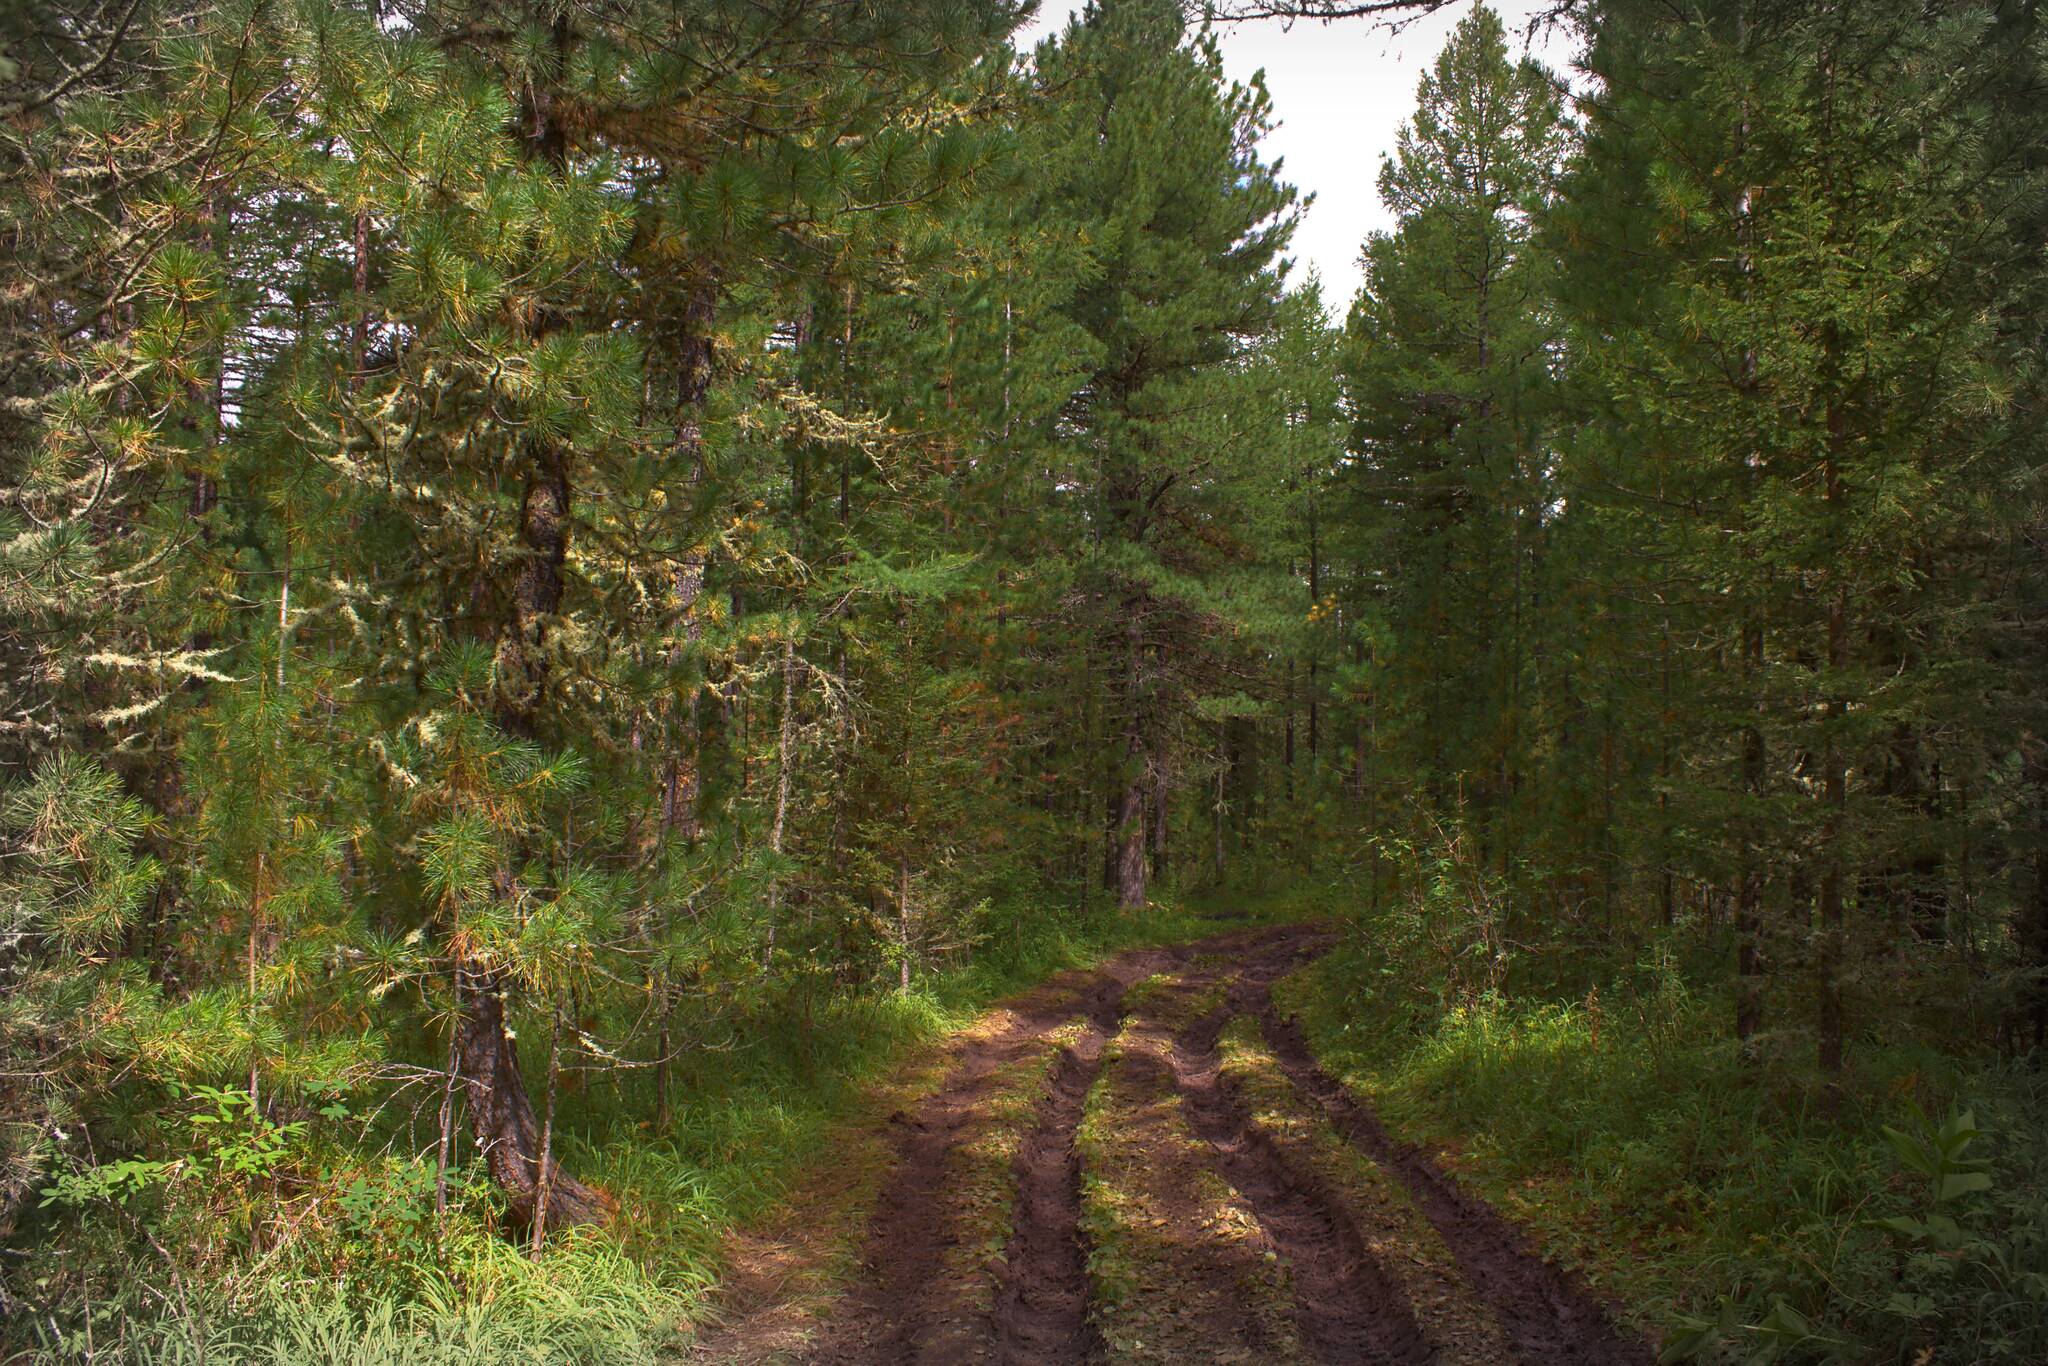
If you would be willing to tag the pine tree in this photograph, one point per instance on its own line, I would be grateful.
(1450, 372)
(1153, 159)
(1801, 367)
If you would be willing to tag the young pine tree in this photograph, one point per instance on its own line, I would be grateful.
(1450, 372)
(1150, 155)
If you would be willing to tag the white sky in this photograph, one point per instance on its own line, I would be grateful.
(1340, 93)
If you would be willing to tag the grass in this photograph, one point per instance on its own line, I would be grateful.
(760, 1103)
(1150, 1204)
(1397, 1234)
(1626, 1130)
(985, 1183)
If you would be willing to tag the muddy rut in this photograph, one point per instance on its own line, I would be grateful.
(1041, 1305)
(902, 1308)
(923, 1292)
(1546, 1314)
(1347, 1308)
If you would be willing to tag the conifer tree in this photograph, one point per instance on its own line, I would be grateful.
(1153, 158)
(1801, 366)
(1450, 372)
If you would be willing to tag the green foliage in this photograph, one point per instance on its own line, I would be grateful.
(72, 880)
(1601, 1101)
(659, 552)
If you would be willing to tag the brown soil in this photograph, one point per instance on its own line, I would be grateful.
(1041, 1309)
(1187, 1272)
(1347, 1308)
(903, 1308)
(1454, 1320)
(915, 1297)
(1546, 1312)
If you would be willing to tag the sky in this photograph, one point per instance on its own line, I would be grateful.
(1341, 92)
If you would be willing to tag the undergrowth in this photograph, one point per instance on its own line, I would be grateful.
(156, 1263)
(1740, 1211)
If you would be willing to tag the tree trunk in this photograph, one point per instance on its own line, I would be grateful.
(1749, 955)
(1130, 843)
(1287, 743)
(785, 749)
(1834, 793)
(681, 777)
(1315, 602)
(2036, 751)
(445, 1150)
(1156, 833)
(501, 1114)
(547, 1172)
(1130, 816)
(1222, 776)
(903, 921)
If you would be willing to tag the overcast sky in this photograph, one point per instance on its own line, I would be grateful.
(1340, 93)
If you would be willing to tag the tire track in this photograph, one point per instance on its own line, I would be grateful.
(1196, 1279)
(1041, 1307)
(902, 1307)
(1547, 1313)
(916, 1300)
(1347, 1308)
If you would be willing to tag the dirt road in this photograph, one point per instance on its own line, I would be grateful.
(1145, 1163)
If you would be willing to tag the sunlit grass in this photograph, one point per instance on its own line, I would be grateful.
(1629, 1132)
(758, 1100)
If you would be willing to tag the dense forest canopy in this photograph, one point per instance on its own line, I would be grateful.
(553, 554)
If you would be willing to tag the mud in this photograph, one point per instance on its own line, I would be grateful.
(1041, 1308)
(915, 1298)
(1547, 1314)
(1347, 1308)
(902, 1308)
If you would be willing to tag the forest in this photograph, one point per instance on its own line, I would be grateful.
(754, 680)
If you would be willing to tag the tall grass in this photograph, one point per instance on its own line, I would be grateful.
(758, 1094)
(1625, 1127)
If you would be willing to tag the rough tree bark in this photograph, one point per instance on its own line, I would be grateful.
(501, 1114)
(1130, 816)
(487, 1057)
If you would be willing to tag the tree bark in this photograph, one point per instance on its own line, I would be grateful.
(501, 1113)
(903, 921)
(1834, 794)
(2036, 751)
(1749, 955)
(1130, 819)
(1222, 776)
(681, 777)
(1162, 792)
(785, 751)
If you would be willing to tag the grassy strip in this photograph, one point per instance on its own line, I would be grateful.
(1166, 1003)
(1145, 1300)
(1395, 1231)
(986, 1177)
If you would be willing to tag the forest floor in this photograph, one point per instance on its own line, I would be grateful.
(1144, 1162)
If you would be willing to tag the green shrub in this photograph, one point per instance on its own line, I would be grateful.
(1723, 1199)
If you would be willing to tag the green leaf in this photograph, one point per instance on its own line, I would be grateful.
(1912, 1152)
(1955, 1184)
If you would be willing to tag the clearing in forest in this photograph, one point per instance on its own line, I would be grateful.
(1145, 1163)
